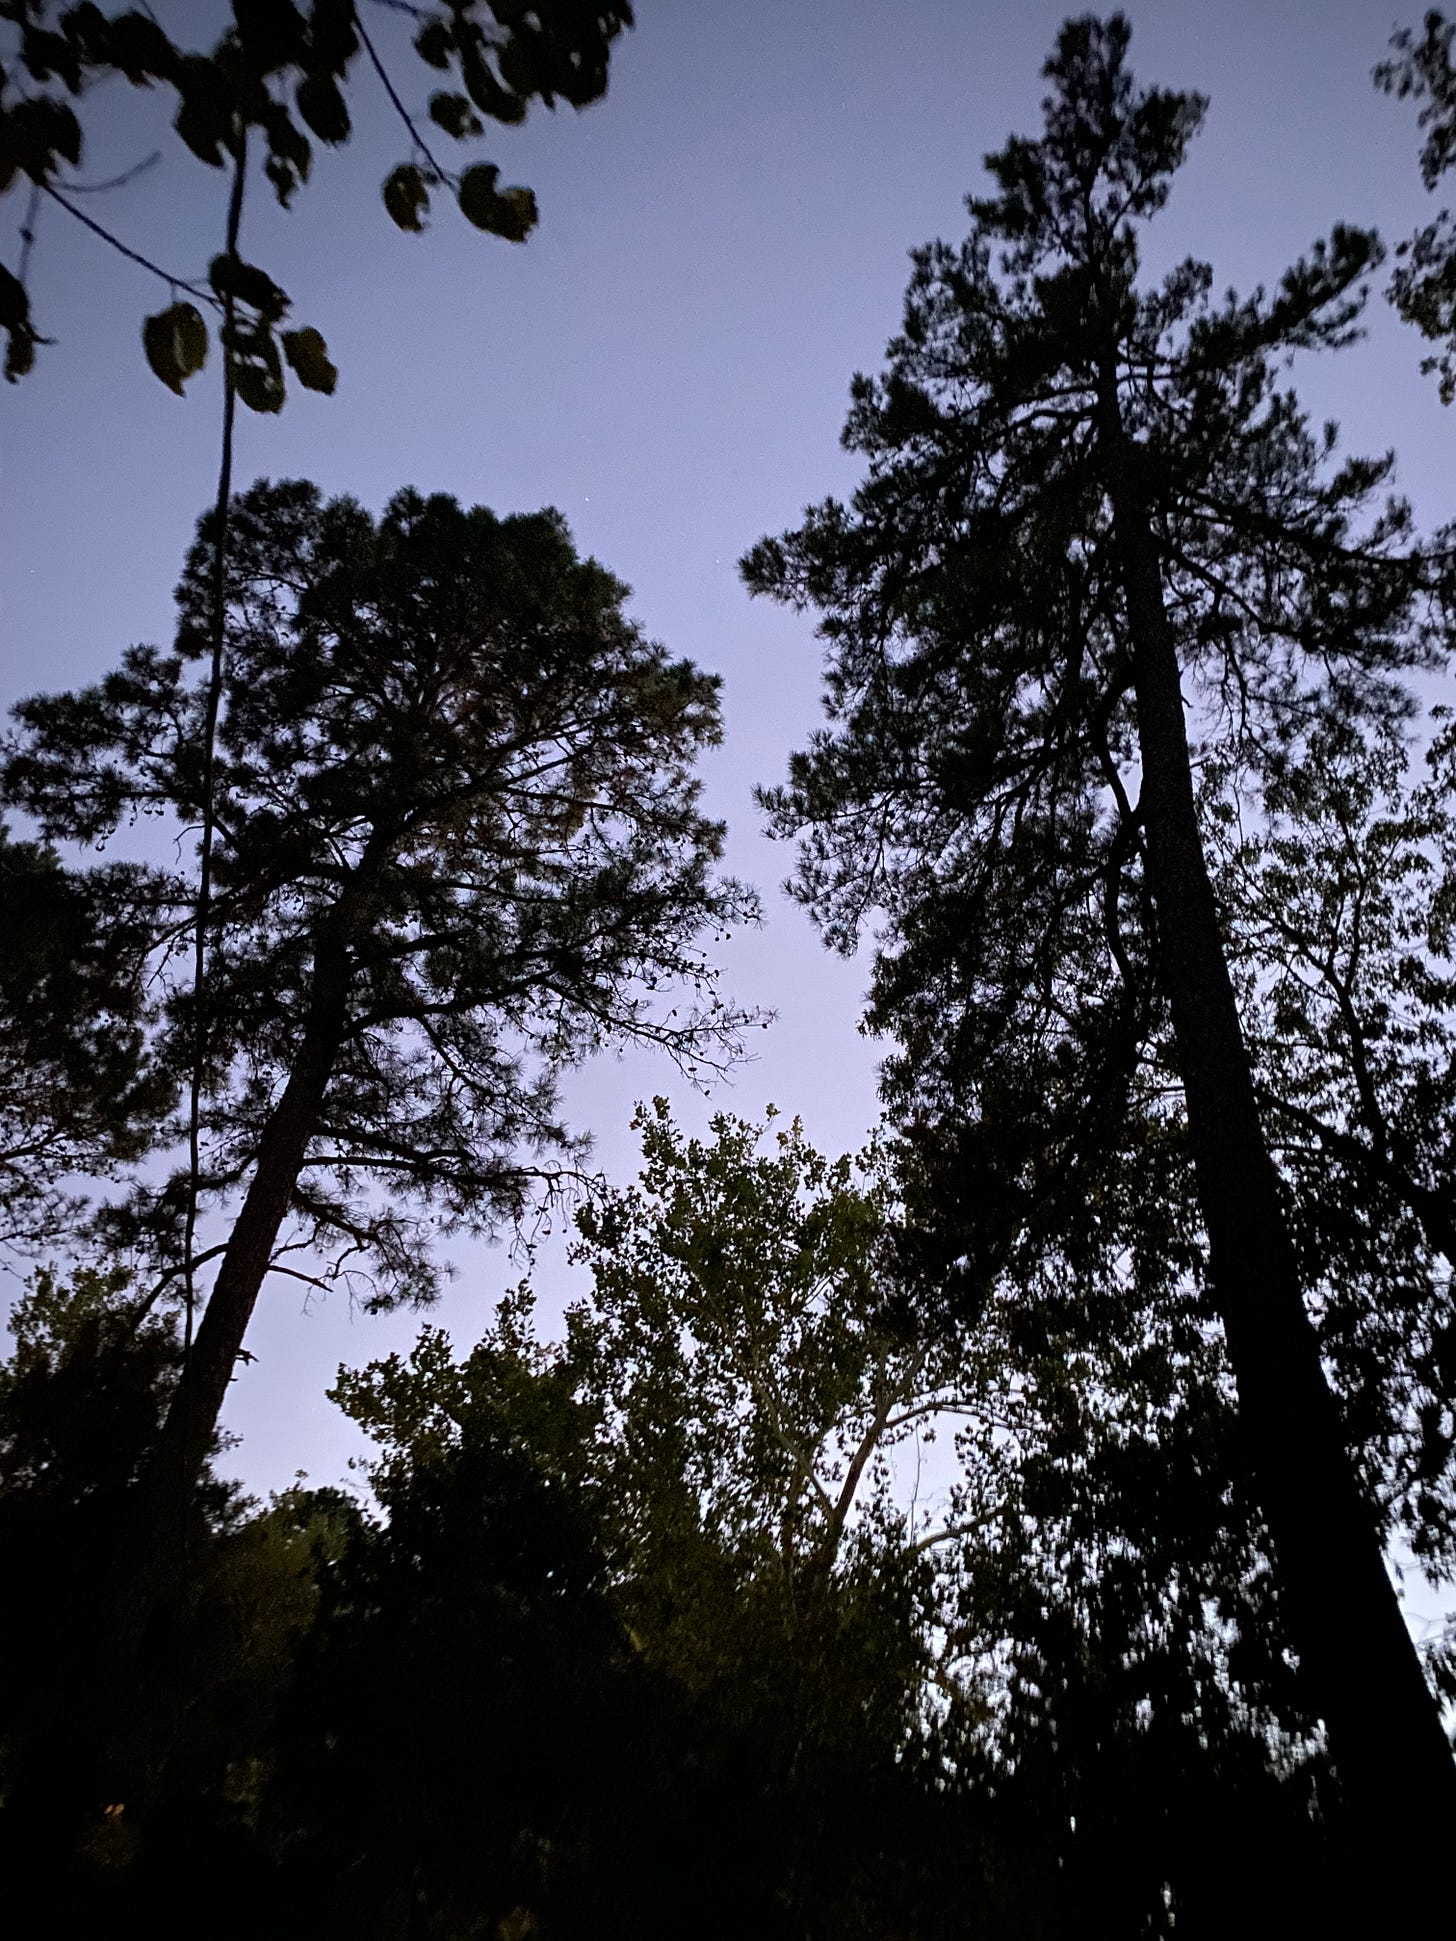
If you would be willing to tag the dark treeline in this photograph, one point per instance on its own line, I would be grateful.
(984, 1535)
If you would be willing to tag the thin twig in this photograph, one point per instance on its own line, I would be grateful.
(139, 1313)
(209, 745)
(441, 175)
(27, 233)
(116, 181)
(132, 256)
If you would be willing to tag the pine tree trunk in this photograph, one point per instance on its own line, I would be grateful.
(1396, 1771)
(149, 1560)
(192, 1419)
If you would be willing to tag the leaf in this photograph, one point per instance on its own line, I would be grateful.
(433, 43)
(175, 341)
(510, 213)
(488, 94)
(39, 131)
(46, 54)
(256, 368)
(246, 283)
(139, 48)
(407, 196)
(454, 114)
(20, 353)
(333, 34)
(308, 358)
(290, 157)
(272, 31)
(322, 106)
(204, 117)
(14, 303)
(15, 322)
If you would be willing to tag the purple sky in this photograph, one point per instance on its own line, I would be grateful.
(723, 241)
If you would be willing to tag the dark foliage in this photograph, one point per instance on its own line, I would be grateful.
(1098, 542)
(80, 1093)
(458, 849)
(1423, 288)
(281, 76)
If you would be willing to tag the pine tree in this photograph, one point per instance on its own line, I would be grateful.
(459, 847)
(1093, 510)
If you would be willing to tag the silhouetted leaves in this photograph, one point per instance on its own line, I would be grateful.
(286, 70)
(255, 364)
(175, 341)
(308, 359)
(1423, 288)
(407, 196)
(510, 213)
(15, 322)
(454, 114)
(458, 821)
(79, 1094)
(1095, 526)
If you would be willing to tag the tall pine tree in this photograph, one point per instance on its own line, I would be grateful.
(460, 846)
(1096, 531)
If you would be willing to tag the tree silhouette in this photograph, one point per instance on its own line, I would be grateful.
(78, 1095)
(1423, 288)
(459, 849)
(1083, 498)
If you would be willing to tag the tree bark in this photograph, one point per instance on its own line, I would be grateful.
(1396, 1772)
(166, 1492)
(149, 1557)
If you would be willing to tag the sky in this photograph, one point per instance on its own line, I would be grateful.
(723, 241)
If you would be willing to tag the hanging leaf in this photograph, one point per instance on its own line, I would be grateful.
(407, 196)
(333, 33)
(205, 113)
(21, 334)
(246, 283)
(484, 89)
(510, 213)
(175, 341)
(321, 104)
(256, 367)
(139, 48)
(290, 156)
(39, 132)
(46, 54)
(14, 303)
(454, 114)
(273, 33)
(20, 352)
(308, 358)
(434, 41)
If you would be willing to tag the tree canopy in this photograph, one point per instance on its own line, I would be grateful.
(79, 1094)
(459, 848)
(1423, 288)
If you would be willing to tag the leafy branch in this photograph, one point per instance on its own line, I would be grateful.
(281, 70)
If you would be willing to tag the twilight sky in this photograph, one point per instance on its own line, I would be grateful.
(723, 241)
